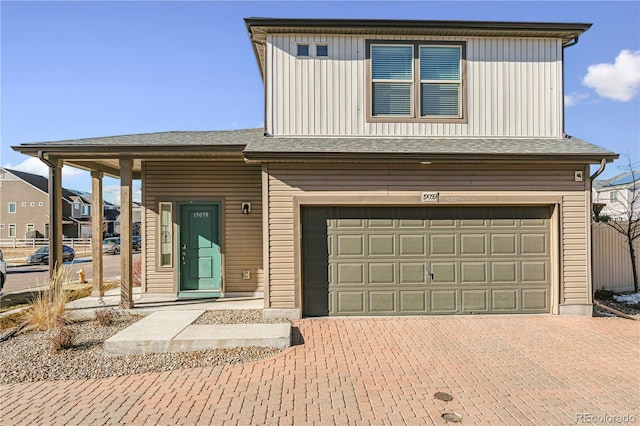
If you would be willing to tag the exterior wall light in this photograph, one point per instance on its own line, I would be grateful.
(246, 208)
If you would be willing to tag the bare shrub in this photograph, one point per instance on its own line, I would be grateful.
(137, 272)
(106, 315)
(62, 338)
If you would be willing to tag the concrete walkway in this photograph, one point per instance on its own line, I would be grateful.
(500, 370)
(167, 325)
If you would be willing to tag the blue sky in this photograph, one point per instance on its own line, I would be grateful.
(83, 69)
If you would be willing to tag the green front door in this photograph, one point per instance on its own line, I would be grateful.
(200, 256)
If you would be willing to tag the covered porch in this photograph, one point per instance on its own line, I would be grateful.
(163, 256)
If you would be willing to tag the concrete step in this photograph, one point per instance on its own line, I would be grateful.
(172, 331)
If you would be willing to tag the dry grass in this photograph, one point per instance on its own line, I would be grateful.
(48, 309)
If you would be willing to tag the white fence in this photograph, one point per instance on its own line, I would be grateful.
(611, 261)
(37, 242)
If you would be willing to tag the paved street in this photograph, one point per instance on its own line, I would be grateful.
(20, 278)
(500, 370)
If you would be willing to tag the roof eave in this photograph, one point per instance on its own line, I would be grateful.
(422, 158)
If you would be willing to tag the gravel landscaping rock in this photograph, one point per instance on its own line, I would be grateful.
(26, 357)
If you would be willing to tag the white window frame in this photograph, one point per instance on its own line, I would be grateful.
(416, 86)
(165, 238)
(15, 207)
(12, 232)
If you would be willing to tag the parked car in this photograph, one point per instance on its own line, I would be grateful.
(111, 245)
(41, 256)
(3, 271)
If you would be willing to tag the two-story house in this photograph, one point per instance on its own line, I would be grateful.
(405, 168)
(619, 196)
(25, 206)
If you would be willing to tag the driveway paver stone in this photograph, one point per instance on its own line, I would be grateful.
(511, 370)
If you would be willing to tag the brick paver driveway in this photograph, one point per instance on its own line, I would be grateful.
(500, 370)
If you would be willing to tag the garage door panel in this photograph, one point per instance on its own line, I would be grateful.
(443, 301)
(534, 272)
(473, 272)
(443, 272)
(504, 272)
(349, 302)
(381, 245)
(350, 274)
(412, 245)
(533, 244)
(473, 244)
(382, 302)
(412, 273)
(442, 245)
(475, 301)
(535, 299)
(483, 260)
(413, 302)
(382, 273)
(350, 245)
(504, 300)
(503, 244)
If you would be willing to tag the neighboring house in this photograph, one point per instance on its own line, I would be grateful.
(25, 206)
(405, 168)
(613, 196)
(136, 218)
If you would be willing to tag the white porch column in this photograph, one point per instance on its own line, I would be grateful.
(96, 233)
(126, 249)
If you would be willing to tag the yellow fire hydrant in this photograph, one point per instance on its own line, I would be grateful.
(81, 276)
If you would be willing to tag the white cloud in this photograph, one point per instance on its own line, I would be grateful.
(619, 81)
(37, 167)
(573, 99)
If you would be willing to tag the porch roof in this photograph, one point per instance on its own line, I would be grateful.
(424, 149)
(103, 153)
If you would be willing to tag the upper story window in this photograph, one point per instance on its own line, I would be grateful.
(12, 208)
(322, 50)
(303, 50)
(416, 81)
(613, 196)
(85, 210)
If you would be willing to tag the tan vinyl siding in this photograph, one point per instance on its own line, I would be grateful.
(358, 184)
(232, 183)
(574, 249)
(514, 89)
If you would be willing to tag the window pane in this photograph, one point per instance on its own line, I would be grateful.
(12, 207)
(391, 62)
(439, 63)
(391, 99)
(439, 99)
(322, 50)
(166, 239)
(303, 50)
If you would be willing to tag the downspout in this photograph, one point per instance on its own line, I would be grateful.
(603, 164)
(571, 43)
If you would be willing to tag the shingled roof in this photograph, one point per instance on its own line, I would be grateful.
(287, 148)
(39, 182)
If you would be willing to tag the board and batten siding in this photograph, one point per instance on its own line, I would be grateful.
(232, 183)
(355, 183)
(514, 89)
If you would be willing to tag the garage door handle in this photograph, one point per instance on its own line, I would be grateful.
(429, 274)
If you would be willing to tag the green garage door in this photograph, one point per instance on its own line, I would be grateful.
(416, 261)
